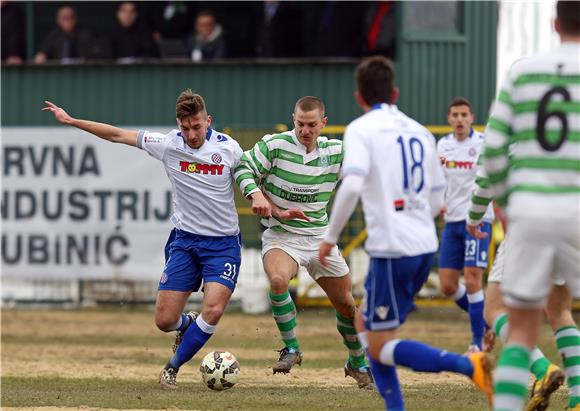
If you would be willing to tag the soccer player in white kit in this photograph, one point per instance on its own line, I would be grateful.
(459, 250)
(532, 157)
(391, 163)
(204, 245)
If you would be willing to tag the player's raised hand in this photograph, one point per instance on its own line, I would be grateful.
(475, 231)
(59, 114)
(324, 251)
(260, 205)
(290, 214)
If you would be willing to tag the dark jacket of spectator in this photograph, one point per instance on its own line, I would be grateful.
(333, 28)
(170, 19)
(13, 33)
(207, 42)
(279, 31)
(59, 45)
(131, 39)
(135, 41)
(68, 42)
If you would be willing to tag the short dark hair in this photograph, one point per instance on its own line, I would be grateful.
(309, 103)
(459, 101)
(205, 12)
(189, 104)
(375, 80)
(568, 13)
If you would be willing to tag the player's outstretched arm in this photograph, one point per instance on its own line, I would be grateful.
(344, 204)
(104, 131)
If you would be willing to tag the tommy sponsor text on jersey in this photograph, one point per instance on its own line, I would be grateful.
(203, 198)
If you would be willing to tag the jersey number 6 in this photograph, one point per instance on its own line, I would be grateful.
(544, 115)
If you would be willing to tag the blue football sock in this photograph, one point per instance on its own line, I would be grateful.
(194, 338)
(460, 297)
(185, 322)
(387, 383)
(476, 317)
(424, 358)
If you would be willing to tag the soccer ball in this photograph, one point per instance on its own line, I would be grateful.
(220, 370)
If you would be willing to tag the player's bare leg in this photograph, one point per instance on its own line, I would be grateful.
(449, 281)
(339, 292)
(280, 268)
(216, 297)
(493, 308)
(168, 310)
(169, 315)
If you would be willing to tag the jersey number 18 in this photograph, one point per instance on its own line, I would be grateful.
(413, 172)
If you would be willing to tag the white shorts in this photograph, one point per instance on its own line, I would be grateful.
(539, 253)
(496, 273)
(304, 250)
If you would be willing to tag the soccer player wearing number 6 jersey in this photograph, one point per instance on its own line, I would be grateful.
(459, 152)
(532, 157)
(204, 245)
(391, 163)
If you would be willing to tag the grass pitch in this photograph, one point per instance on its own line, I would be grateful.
(111, 358)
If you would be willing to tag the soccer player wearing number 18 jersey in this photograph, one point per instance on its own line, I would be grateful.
(532, 158)
(391, 163)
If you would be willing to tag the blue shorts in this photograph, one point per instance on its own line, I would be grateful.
(390, 289)
(459, 249)
(191, 258)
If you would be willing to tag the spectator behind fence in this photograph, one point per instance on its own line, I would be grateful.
(68, 42)
(131, 39)
(333, 28)
(171, 23)
(13, 33)
(380, 29)
(279, 31)
(170, 19)
(207, 41)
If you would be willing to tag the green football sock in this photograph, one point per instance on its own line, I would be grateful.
(356, 352)
(511, 378)
(284, 313)
(568, 343)
(539, 362)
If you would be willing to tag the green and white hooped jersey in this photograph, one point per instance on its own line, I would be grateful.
(536, 119)
(292, 178)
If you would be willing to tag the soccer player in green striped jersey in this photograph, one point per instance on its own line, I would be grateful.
(536, 119)
(548, 376)
(298, 170)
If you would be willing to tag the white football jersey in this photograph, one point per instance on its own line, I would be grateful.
(398, 158)
(201, 180)
(459, 161)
